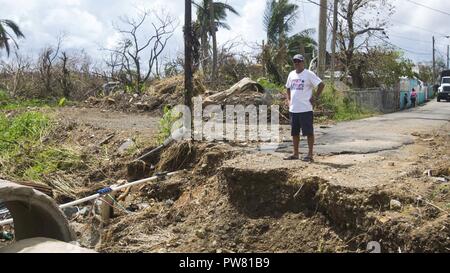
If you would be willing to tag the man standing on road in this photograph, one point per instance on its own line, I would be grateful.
(301, 100)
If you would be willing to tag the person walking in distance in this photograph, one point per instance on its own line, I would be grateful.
(413, 97)
(301, 100)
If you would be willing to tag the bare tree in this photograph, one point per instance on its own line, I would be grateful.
(132, 50)
(114, 63)
(65, 77)
(14, 73)
(356, 27)
(46, 62)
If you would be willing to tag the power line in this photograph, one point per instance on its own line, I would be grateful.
(407, 50)
(387, 42)
(343, 16)
(407, 38)
(415, 40)
(416, 27)
(430, 8)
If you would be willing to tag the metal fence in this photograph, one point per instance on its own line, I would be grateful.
(388, 100)
(376, 99)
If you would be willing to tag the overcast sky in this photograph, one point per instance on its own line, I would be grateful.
(88, 24)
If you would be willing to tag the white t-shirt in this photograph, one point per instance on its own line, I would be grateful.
(301, 86)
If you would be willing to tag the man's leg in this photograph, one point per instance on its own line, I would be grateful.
(295, 133)
(296, 140)
(308, 131)
(311, 140)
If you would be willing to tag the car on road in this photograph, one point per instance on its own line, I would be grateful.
(444, 89)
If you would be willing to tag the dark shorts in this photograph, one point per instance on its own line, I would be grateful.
(303, 122)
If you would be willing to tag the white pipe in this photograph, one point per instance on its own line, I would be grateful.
(6, 222)
(97, 195)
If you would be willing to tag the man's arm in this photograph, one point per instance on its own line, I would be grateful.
(315, 97)
(288, 97)
(320, 89)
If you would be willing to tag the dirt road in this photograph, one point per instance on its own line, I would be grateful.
(115, 121)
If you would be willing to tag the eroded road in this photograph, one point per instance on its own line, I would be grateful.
(382, 133)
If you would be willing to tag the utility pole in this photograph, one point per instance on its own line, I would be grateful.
(322, 39)
(448, 56)
(214, 40)
(434, 63)
(188, 84)
(333, 45)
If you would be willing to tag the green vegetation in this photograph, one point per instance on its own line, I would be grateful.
(268, 85)
(333, 104)
(9, 104)
(17, 105)
(22, 152)
(4, 98)
(166, 123)
(341, 107)
(5, 35)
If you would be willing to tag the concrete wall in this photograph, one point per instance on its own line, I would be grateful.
(424, 92)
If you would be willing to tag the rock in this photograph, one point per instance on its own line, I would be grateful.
(8, 236)
(176, 230)
(126, 146)
(395, 205)
(440, 179)
(143, 206)
(178, 218)
(169, 202)
(83, 212)
(200, 233)
(70, 212)
(142, 106)
(133, 208)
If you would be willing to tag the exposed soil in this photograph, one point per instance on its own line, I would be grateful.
(338, 204)
(231, 199)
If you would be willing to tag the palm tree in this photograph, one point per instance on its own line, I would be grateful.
(279, 20)
(302, 43)
(210, 17)
(5, 36)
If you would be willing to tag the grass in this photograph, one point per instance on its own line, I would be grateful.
(341, 107)
(23, 153)
(268, 85)
(9, 104)
(31, 103)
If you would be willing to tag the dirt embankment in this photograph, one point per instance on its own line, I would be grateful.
(229, 201)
